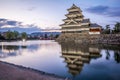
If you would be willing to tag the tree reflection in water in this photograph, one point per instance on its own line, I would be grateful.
(117, 56)
(107, 55)
(10, 50)
(115, 49)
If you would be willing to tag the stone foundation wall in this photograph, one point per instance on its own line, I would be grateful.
(109, 38)
(86, 38)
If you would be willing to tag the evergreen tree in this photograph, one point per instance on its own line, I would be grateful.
(16, 34)
(24, 35)
(117, 27)
(9, 35)
(108, 29)
(46, 36)
(1, 37)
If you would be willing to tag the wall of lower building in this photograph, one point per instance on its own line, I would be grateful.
(94, 33)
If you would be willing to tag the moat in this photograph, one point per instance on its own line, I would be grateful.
(75, 61)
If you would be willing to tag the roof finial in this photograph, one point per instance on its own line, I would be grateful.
(73, 4)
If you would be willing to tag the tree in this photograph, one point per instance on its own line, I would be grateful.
(9, 35)
(46, 36)
(57, 35)
(12, 35)
(16, 34)
(1, 37)
(117, 56)
(117, 27)
(107, 29)
(51, 36)
(24, 35)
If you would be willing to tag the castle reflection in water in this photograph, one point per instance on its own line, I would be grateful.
(76, 55)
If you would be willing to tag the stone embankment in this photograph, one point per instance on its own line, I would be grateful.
(110, 38)
(15, 72)
(92, 39)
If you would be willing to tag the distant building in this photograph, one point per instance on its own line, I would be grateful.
(95, 29)
(75, 23)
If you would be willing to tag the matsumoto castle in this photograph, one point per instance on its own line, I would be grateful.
(75, 23)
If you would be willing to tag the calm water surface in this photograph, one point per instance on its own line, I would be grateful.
(76, 61)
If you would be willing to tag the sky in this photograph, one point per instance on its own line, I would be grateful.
(49, 13)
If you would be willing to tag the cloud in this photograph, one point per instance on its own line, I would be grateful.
(31, 8)
(2, 22)
(11, 22)
(98, 9)
(2, 19)
(105, 10)
(6, 22)
(21, 29)
(6, 25)
(115, 12)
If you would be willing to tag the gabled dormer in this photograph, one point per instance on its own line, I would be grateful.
(72, 22)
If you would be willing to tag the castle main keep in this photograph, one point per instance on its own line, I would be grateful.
(75, 25)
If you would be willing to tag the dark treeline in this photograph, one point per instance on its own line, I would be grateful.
(115, 30)
(13, 35)
(44, 36)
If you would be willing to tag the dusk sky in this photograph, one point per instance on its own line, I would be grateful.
(49, 13)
